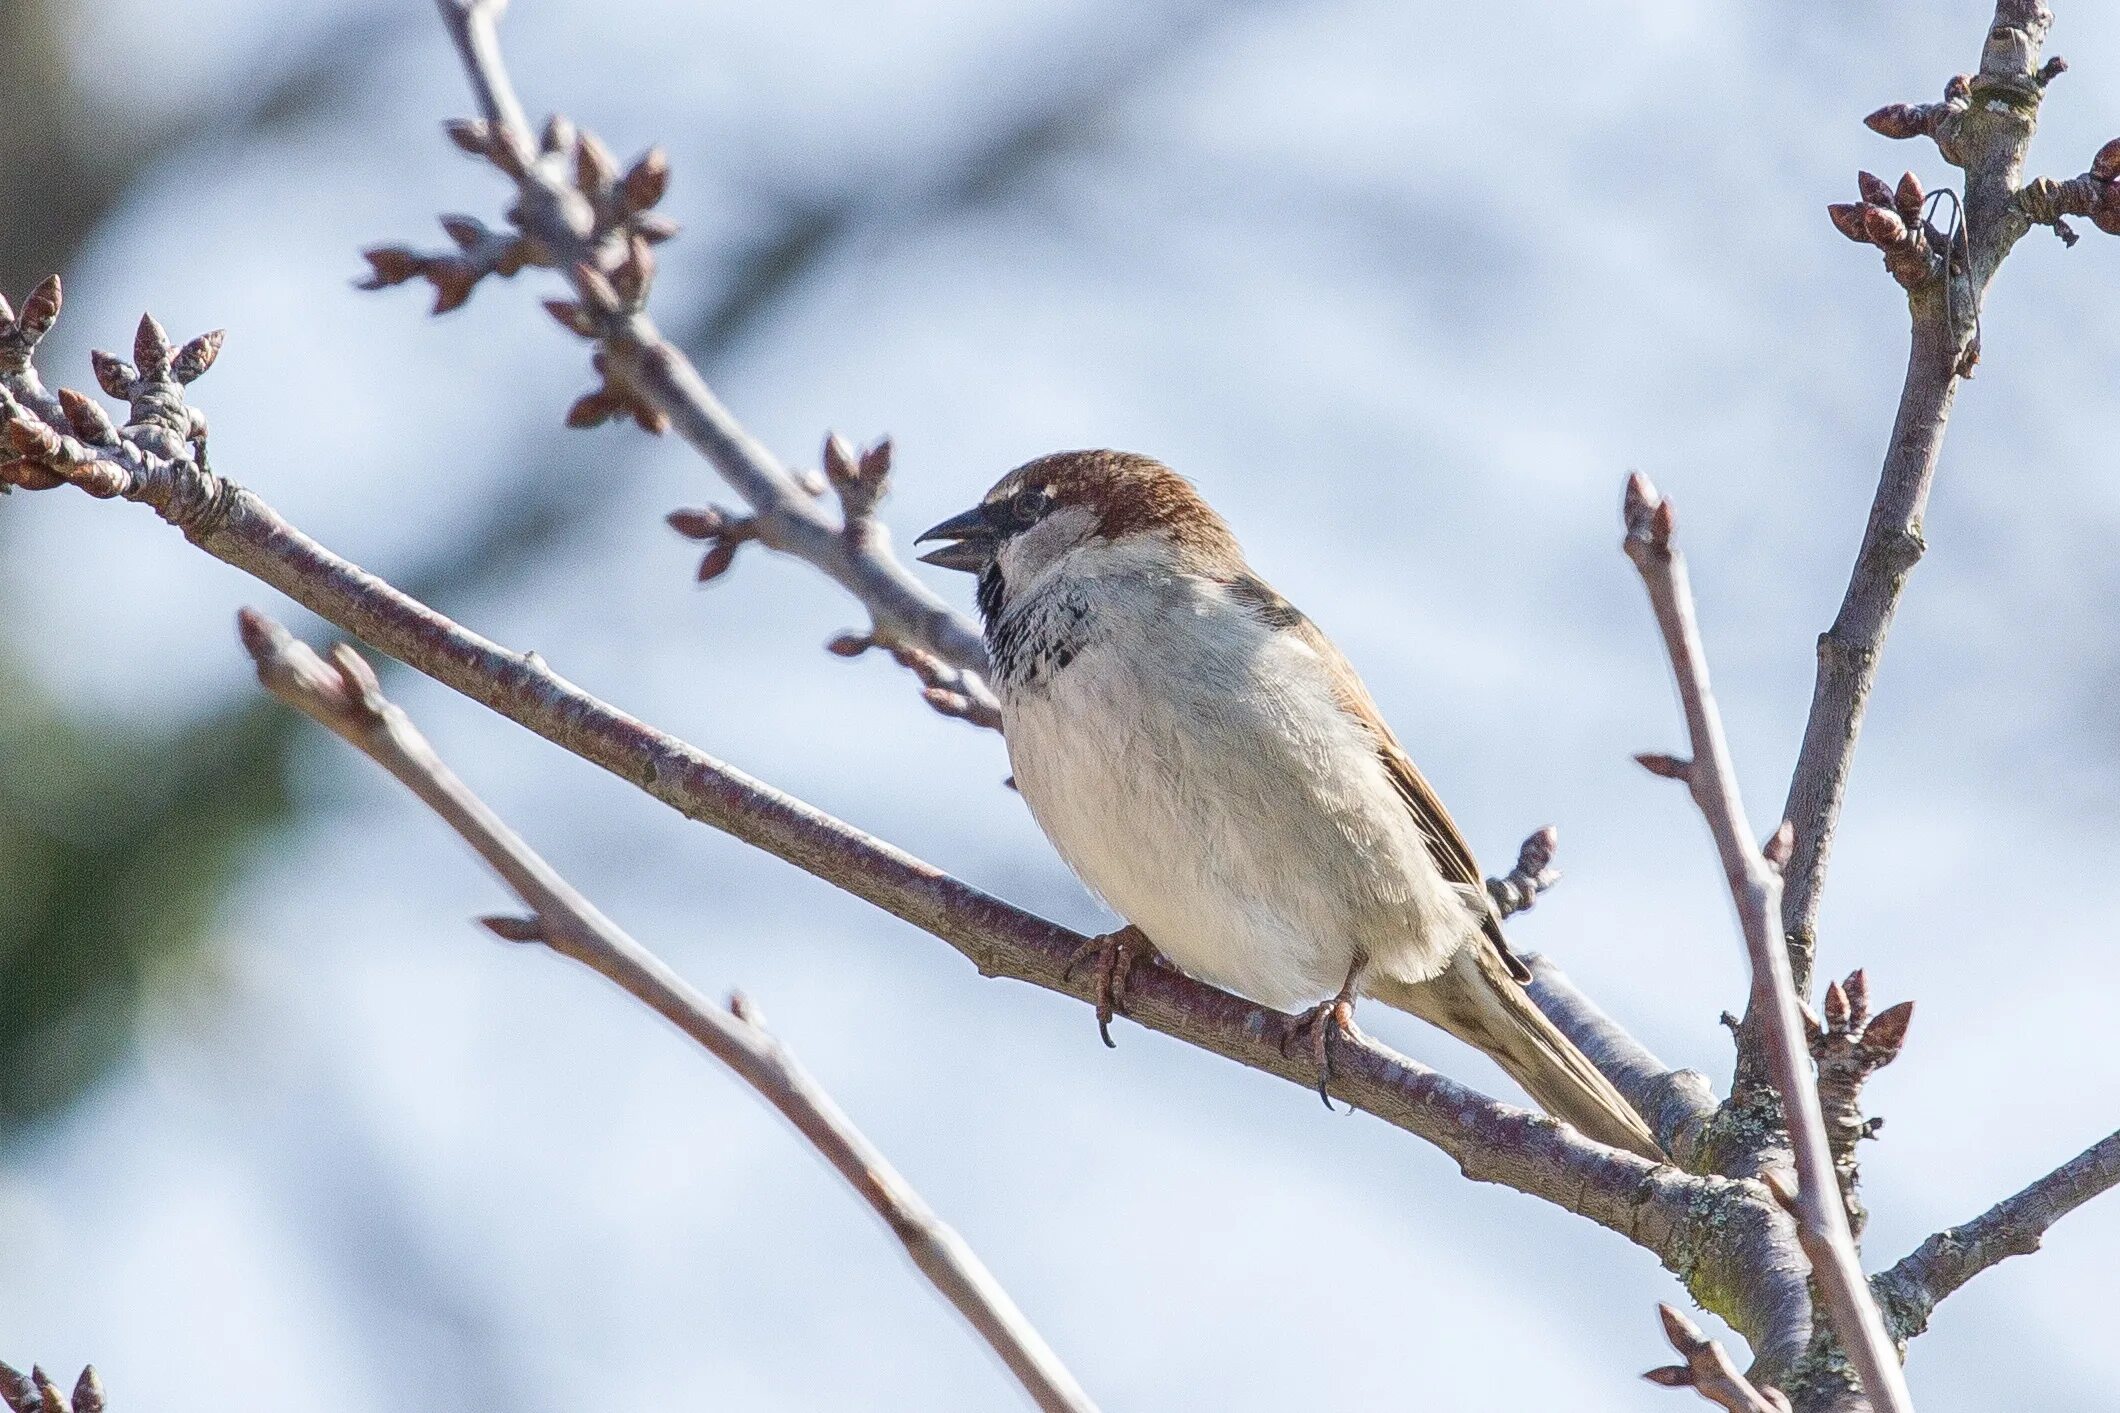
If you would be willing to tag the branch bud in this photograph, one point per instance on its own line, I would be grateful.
(88, 419)
(197, 356)
(1874, 189)
(646, 181)
(471, 135)
(2106, 165)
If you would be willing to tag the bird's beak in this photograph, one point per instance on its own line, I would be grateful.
(975, 547)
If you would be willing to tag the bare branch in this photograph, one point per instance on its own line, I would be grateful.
(1709, 1372)
(344, 696)
(577, 214)
(1755, 886)
(1983, 126)
(2015, 1226)
(1677, 1104)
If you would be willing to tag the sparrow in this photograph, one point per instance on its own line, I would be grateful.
(1207, 763)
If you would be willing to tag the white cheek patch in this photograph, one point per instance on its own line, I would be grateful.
(1026, 556)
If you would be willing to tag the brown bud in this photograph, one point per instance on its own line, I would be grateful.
(389, 265)
(1671, 1376)
(594, 170)
(2050, 70)
(113, 374)
(151, 348)
(634, 274)
(648, 417)
(514, 929)
(596, 291)
(876, 462)
(1888, 1032)
(697, 522)
(1882, 227)
(1858, 988)
(1780, 845)
(41, 310)
(2106, 165)
(32, 440)
(1900, 120)
(1847, 219)
(717, 561)
(87, 417)
(1836, 1008)
(850, 645)
(471, 135)
(20, 1394)
(592, 409)
(1958, 88)
(29, 475)
(840, 466)
(197, 356)
(558, 135)
(466, 231)
(453, 280)
(101, 479)
(88, 1392)
(1669, 767)
(572, 316)
(646, 180)
(1874, 188)
(1907, 198)
(655, 229)
(48, 1394)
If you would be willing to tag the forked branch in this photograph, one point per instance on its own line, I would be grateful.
(344, 696)
(575, 212)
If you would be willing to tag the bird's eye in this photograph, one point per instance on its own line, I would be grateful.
(1028, 504)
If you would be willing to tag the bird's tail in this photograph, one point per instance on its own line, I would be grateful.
(1477, 1000)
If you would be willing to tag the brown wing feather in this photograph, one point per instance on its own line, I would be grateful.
(1446, 842)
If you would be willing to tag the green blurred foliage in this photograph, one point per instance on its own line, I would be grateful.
(114, 852)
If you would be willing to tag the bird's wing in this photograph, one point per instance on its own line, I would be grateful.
(1446, 842)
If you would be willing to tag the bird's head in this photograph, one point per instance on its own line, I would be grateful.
(1073, 500)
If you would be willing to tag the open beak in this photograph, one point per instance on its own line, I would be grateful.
(975, 545)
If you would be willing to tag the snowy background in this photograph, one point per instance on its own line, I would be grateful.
(1407, 294)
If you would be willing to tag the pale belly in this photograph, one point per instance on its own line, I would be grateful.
(1245, 825)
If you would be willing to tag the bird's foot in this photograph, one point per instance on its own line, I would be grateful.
(1317, 1028)
(1116, 954)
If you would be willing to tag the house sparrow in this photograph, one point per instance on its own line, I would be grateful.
(1208, 763)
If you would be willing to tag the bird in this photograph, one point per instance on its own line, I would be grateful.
(1209, 764)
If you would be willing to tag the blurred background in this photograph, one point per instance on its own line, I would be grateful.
(1405, 290)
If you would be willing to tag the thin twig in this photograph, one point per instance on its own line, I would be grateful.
(1755, 886)
(2014, 1226)
(1709, 1372)
(344, 696)
(575, 213)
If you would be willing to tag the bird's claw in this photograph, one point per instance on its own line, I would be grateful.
(1116, 954)
(1321, 1024)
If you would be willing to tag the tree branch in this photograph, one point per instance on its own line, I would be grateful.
(1677, 1104)
(1755, 886)
(345, 697)
(1983, 126)
(2015, 1226)
(576, 214)
(1651, 1205)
